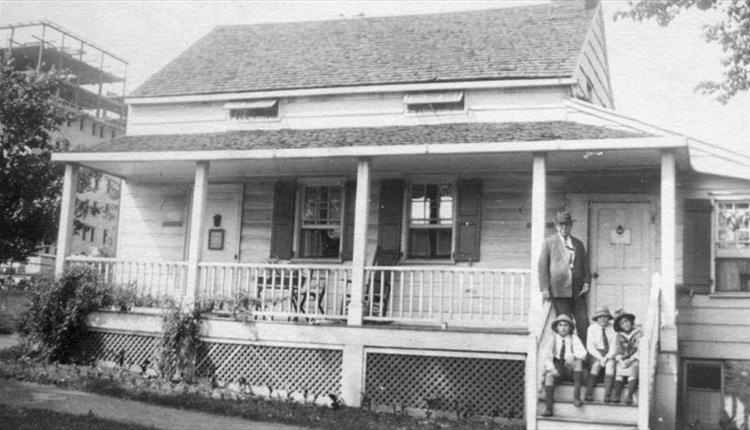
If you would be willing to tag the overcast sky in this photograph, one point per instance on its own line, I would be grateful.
(654, 70)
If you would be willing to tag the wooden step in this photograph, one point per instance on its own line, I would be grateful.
(595, 412)
(557, 423)
(564, 392)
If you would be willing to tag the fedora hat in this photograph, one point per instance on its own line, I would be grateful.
(561, 318)
(601, 311)
(563, 218)
(619, 315)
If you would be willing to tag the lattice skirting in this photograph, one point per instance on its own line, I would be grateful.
(316, 371)
(476, 386)
(113, 346)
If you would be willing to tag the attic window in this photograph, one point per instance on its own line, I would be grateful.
(256, 109)
(449, 101)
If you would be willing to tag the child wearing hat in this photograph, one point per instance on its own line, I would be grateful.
(600, 343)
(564, 360)
(626, 355)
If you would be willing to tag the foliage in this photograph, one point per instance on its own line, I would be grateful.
(29, 182)
(732, 32)
(179, 342)
(55, 321)
(240, 305)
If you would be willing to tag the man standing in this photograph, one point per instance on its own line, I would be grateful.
(564, 274)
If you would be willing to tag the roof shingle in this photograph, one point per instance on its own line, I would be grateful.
(364, 136)
(542, 41)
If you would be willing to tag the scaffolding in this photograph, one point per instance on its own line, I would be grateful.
(94, 77)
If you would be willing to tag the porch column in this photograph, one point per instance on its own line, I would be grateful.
(200, 189)
(67, 214)
(361, 220)
(538, 211)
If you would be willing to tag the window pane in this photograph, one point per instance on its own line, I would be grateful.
(322, 205)
(319, 243)
(704, 376)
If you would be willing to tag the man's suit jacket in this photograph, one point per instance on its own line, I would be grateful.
(555, 274)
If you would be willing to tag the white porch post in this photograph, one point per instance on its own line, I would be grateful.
(200, 190)
(67, 213)
(668, 219)
(538, 212)
(361, 220)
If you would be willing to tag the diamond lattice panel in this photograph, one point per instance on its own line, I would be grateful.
(132, 348)
(481, 386)
(317, 371)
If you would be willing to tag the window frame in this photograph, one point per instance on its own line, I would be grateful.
(406, 219)
(432, 112)
(299, 201)
(236, 105)
(716, 254)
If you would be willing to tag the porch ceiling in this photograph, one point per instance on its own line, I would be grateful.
(404, 164)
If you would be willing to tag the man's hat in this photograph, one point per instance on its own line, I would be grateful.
(561, 318)
(563, 218)
(601, 311)
(619, 315)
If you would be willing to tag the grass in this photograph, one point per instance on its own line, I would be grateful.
(32, 419)
(12, 304)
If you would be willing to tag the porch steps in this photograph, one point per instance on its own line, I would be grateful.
(592, 415)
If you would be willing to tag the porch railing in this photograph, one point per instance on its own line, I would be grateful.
(277, 290)
(456, 296)
(147, 281)
(649, 349)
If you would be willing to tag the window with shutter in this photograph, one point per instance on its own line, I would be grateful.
(732, 220)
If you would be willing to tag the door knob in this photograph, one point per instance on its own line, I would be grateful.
(595, 275)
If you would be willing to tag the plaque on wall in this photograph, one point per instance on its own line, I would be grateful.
(216, 239)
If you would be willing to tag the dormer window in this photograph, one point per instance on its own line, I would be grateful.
(253, 110)
(444, 101)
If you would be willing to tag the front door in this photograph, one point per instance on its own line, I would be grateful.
(621, 244)
(221, 242)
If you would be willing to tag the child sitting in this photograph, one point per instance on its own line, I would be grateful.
(626, 355)
(564, 360)
(600, 343)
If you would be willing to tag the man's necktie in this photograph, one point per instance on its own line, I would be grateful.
(562, 350)
(605, 341)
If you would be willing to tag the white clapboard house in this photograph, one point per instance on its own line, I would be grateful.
(379, 189)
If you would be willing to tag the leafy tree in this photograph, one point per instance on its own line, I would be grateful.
(732, 32)
(29, 183)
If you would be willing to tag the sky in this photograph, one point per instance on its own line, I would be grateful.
(654, 70)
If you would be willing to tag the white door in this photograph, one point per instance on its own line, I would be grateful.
(621, 244)
(221, 225)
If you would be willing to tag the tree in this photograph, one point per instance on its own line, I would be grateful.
(732, 32)
(29, 183)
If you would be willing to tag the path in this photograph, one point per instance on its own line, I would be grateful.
(24, 394)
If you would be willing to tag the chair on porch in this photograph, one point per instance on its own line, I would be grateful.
(379, 282)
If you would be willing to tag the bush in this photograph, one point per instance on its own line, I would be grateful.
(55, 322)
(179, 342)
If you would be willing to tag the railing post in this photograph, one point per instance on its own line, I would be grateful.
(361, 220)
(67, 213)
(538, 213)
(200, 190)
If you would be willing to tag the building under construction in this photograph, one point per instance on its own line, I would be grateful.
(93, 96)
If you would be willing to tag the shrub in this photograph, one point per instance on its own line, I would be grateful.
(55, 322)
(179, 342)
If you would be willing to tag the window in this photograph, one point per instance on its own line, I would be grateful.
(733, 245)
(452, 101)
(430, 221)
(321, 221)
(253, 110)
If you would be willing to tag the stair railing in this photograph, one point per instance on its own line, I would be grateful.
(538, 336)
(648, 352)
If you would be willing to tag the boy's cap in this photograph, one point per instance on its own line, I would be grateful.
(619, 315)
(561, 318)
(602, 311)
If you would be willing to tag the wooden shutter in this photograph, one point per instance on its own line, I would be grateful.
(282, 222)
(696, 246)
(389, 215)
(468, 211)
(347, 247)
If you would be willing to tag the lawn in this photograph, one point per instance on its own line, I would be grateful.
(34, 419)
(12, 304)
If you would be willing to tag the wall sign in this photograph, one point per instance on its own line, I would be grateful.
(216, 239)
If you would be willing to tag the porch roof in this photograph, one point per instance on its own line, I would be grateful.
(459, 133)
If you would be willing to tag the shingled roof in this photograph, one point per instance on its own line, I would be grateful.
(360, 136)
(541, 41)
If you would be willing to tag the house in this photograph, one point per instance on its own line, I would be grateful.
(380, 189)
(92, 97)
